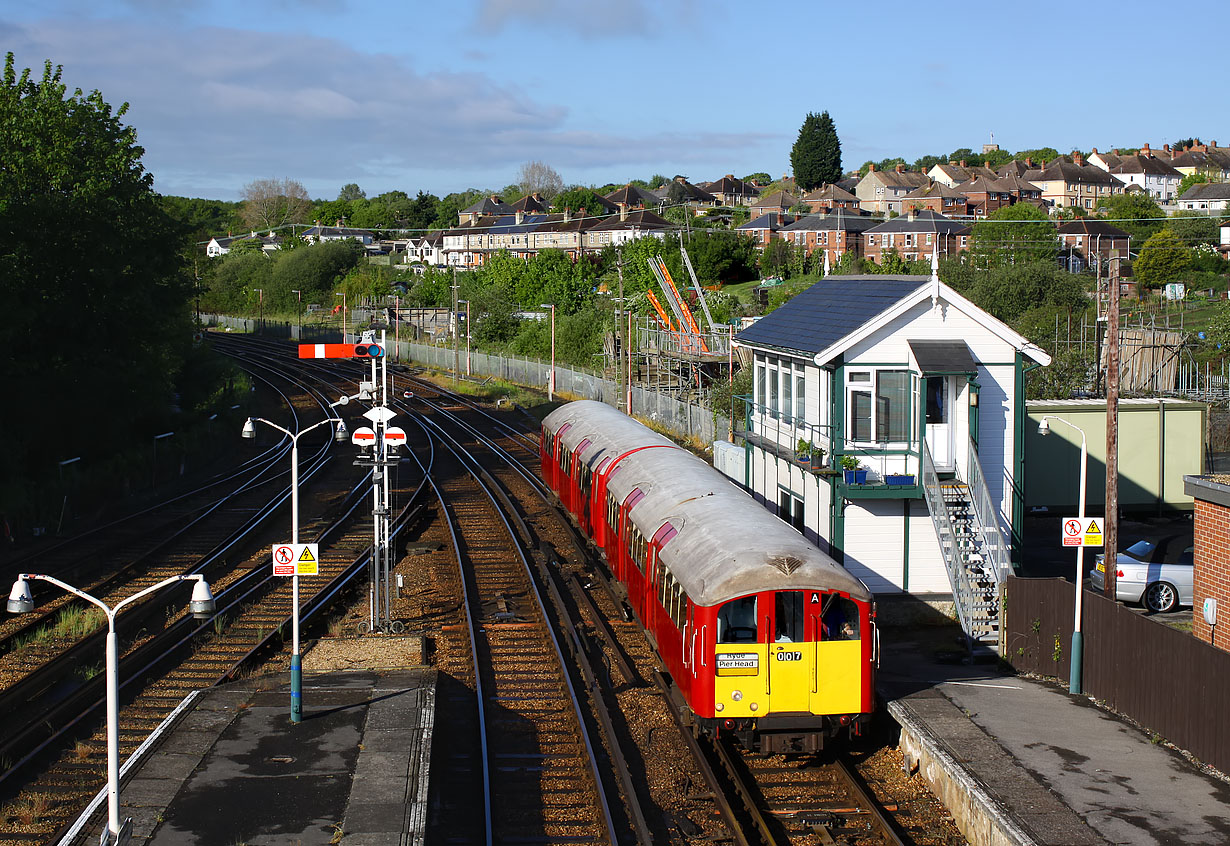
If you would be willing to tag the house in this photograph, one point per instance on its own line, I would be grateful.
(320, 234)
(427, 248)
(916, 235)
(533, 203)
(628, 225)
(765, 228)
(685, 194)
(1206, 159)
(778, 201)
(1070, 181)
(837, 233)
(1206, 197)
(939, 198)
(954, 173)
(1150, 174)
(733, 192)
(221, 246)
(828, 197)
(487, 206)
(633, 197)
(1091, 243)
(563, 231)
(880, 192)
(913, 382)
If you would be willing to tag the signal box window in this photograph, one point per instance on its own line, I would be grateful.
(736, 621)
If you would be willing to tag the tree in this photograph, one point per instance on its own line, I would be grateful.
(270, 203)
(816, 155)
(759, 177)
(1190, 180)
(539, 177)
(1039, 155)
(350, 191)
(1162, 258)
(1134, 212)
(1016, 234)
(112, 293)
(577, 198)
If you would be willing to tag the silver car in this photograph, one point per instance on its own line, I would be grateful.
(1156, 572)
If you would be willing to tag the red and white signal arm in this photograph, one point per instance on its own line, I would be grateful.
(394, 437)
(363, 436)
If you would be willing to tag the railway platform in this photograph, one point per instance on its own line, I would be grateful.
(1020, 762)
(233, 769)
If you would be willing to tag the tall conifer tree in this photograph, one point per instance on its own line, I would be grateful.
(816, 155)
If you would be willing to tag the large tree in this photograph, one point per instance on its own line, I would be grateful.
(816, 155)
(1016, 234)
(270, 203)
(540, 178)
(1135, 212)
(1163, 258)
(91, 264)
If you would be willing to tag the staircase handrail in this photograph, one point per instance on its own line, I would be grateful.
(994, 546)
(962, 590)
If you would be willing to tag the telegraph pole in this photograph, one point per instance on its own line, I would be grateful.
(1111, 536)
(456, 349)
(619, 335)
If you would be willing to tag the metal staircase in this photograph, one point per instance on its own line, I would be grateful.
(974, 549)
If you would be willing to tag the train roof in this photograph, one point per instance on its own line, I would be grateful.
(727, 545)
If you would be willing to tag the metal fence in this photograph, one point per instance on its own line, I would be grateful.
(682, 418)
(1164, 679)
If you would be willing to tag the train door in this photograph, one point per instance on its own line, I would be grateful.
(740, 685)
(585, 479)
(837, 687)
(598, 504)
(792, 650)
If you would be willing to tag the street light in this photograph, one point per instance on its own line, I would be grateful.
(345, 315)
(1074, 671)
(202, 608)
(299, 322)
(260, 296)
(467, 305)
(296, 665)
(551, 378)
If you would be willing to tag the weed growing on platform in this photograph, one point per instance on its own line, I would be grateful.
(31, 810)
(74, 622)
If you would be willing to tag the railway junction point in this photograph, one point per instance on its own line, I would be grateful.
(1017, 761)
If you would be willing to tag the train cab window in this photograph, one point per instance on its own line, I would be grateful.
(788, 616)
(839, 620)
(736, 621)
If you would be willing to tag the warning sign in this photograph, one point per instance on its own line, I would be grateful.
(1083, 531)
(296, 559)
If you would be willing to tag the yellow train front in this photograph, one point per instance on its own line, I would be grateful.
(764, 635)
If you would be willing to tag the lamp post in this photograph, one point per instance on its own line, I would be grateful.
(296, 666)
(467, 305)
(299, 318)
(202, 607)
(551, 378)
(1074, 672)
(260, 298)
(345, 315)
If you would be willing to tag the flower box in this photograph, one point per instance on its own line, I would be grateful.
(899, 479)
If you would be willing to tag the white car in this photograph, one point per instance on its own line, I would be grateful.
(1156, 572)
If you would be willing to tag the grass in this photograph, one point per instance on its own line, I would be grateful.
(82, 751)
(31, 810)
(77, 622)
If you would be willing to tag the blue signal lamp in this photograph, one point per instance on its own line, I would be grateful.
(368, 351)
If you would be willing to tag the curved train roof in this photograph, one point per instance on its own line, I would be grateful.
(727, 544)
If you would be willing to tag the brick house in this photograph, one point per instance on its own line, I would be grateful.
(916, 235)
(1207, 159)
(1151, 174)
(1091, 243)
(954, 173)
(765, 228)
(733, 192)
(828, 197)
(939, 198)
(1211, 579)
(836, 233)
(492, 205)
(633, 197)
(778, 201)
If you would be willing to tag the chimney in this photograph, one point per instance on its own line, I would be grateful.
(1145, 151)
(623, 211)
(1166, 149)
(900, 168)
(962, 162)
(1077, 158)
(520, 217)
(1094, 152)
(952, 163)
(913, 213)
(729, 176)
(537, 196)
(871, 168)
(567, 214)
(1201, 148)
(1029, 162)
(1116, 151)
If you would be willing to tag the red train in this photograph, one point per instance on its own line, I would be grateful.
(763, 634)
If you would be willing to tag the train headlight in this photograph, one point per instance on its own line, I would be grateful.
(719, 707)
(736, 695)
(753, 706)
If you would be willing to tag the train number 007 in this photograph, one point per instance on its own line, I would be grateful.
(789, 656)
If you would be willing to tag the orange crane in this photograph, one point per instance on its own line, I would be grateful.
(690, 337)
(663, 317)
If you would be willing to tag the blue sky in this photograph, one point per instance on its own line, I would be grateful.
(447, 96)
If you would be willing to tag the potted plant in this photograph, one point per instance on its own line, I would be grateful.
(808, 453)
(854, 475)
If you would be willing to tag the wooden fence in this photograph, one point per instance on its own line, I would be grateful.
(1164, 679)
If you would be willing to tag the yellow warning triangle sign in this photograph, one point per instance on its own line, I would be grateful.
(307, 555)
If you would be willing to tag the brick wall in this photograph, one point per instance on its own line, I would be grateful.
(1212, 577)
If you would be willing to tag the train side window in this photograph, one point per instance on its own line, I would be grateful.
(788, 616)
(839, 620)
(736, 621)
